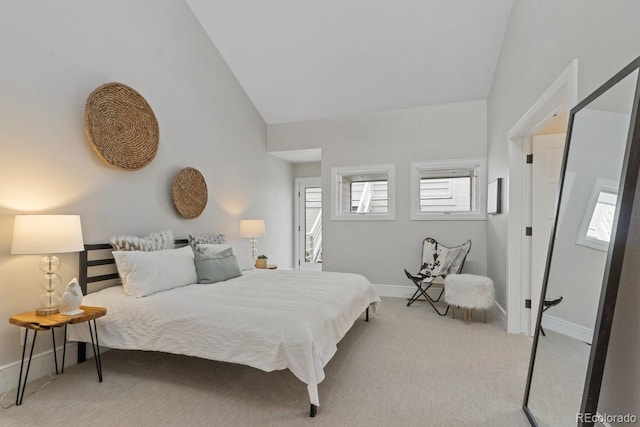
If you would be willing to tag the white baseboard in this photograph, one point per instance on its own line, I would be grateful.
(567, 328)
(395, 291)
(399, 291)
(500, 313)
(41, 365)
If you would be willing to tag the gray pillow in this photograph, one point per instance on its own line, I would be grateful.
(212, 268)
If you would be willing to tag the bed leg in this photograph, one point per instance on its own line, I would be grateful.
(313, 411)
(366, 316)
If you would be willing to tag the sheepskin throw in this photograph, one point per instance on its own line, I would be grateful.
(439, 260)
(152, 242)
(195, 240)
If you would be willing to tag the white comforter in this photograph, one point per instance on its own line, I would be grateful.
(269, 320)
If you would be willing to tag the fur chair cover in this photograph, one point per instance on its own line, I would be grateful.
(469, 291)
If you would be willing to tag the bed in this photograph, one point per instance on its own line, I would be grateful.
(267, 319)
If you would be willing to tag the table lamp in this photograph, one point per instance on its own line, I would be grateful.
(47, 234)
(252, 228)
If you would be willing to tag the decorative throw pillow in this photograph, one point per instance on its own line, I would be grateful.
(145, 273)
(153, 242)
(217, 267)
(195, 240)
(241, 251)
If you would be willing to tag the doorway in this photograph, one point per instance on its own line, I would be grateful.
(308, 224)
(561, 95)
(545, 178)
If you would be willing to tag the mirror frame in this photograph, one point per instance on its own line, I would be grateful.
(615, 254)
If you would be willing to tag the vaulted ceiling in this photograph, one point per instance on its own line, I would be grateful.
(312, 59)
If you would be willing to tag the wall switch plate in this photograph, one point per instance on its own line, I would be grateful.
(29, 338)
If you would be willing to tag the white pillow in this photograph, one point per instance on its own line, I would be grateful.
(242, 251)
(145, 273)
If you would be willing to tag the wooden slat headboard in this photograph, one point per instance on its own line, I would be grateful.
(98, 255)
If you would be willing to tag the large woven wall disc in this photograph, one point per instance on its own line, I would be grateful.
(189, 193)
(121, 126)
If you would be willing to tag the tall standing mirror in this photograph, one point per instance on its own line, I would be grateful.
(599, 174)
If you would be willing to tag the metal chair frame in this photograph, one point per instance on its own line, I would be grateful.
(424, 283)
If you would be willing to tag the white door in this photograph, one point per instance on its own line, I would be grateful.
(308, 224)
(547, 162)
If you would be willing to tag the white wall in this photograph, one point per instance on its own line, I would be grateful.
(381, 249)
(310, 169)
(52, 55)
(542, 38)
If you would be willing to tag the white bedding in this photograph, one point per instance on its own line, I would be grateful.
(266, 319)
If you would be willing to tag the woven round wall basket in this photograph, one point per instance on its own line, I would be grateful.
(121, 126)
(189, 193)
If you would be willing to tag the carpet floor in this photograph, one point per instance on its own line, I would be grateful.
(406, 367)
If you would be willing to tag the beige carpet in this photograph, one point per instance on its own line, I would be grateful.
(406, 367)
(561, 364)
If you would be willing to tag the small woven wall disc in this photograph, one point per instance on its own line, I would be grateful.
(121, 126)
(189, 193)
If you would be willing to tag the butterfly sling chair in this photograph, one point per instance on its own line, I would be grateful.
(437, 261)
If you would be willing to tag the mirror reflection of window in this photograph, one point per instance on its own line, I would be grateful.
(602, 219)
(597, 224)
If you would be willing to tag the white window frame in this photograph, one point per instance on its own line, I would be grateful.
(388, 169)
(478, 214)
(601, 184)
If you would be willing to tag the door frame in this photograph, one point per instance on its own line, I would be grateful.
(297, 226)
(561, 95)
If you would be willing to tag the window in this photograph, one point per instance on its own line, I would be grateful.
(363, 192)
(448, 190)
(597, 224)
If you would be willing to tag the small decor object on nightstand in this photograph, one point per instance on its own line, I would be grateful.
(261, 261)
(71, 299)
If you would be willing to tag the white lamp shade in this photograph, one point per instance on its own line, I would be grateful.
(47, 234)
(252, 228)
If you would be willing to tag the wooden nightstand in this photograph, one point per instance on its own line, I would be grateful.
(31, 321)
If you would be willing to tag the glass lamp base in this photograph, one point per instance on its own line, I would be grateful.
(45, 311)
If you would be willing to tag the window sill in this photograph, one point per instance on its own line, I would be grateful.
(363, 217)
(449, 217)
